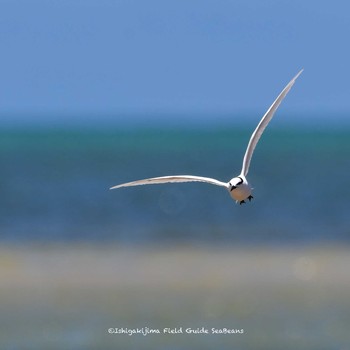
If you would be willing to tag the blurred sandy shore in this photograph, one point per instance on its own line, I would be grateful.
(68, 296)
(125, 267)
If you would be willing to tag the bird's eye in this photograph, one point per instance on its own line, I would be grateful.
(232, 187)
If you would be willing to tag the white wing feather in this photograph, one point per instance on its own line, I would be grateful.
(174, 178)
(263, 124)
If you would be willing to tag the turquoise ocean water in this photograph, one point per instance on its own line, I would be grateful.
(54, 185)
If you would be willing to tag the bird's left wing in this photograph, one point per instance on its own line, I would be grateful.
(263, 124)
(174, 178)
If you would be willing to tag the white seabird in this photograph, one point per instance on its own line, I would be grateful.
(238, 187)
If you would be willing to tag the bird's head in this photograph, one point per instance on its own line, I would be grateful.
(236, 182)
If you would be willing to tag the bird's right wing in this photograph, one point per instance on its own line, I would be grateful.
(174, 178)
(263, 124)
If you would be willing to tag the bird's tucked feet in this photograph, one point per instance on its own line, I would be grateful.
(241, 202)
(250, 198)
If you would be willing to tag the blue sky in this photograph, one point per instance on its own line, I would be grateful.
(122, 59)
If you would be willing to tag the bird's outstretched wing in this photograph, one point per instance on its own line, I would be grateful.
(174, 178)
(263, 124)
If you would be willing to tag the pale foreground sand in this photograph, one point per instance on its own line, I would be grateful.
(66, 297)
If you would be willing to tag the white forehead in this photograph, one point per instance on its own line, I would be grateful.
(235, 181)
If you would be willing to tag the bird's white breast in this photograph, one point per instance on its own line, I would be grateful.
(242, 192)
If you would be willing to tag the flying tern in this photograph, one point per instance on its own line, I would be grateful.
(238, 187)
